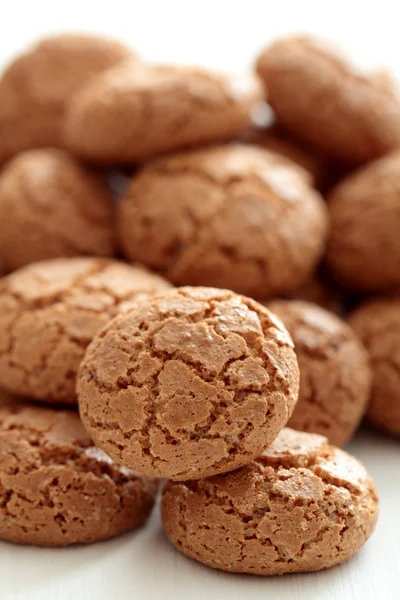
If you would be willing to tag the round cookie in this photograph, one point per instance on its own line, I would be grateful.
(36, 87)
(335, 377)
(49, 312)
(52, 206)
(56, 488)
(303, 505)
(194, 382)
(320, 97)
(377, 323)
(232, 216)
(364, 244)
(136, 111)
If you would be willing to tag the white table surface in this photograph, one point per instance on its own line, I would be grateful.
(143, 565)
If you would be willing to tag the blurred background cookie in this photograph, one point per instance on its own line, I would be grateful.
(137, 111)
(377, 323)
(231, 216)
(37, 86)
(320, 97)
(364, 243)
(52, 206)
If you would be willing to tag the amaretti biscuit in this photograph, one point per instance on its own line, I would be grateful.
(190, 383)
(364, 244)
(37, 86)
(303, 505)
(52, 206)
(231, 216)
(49, 312)
(136, 111)
(320, 97)
(56, 488)
(377, 322)
(335, 377)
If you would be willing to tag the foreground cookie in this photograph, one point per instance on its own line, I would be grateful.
(56, 488)
(318, 96)
(52, 206)
(377, 323)
(302, 506)
(191, 383)
(136, 111)
(230, 216)
(334, 372)
(364, 245)
(36, 87)
(49, 312)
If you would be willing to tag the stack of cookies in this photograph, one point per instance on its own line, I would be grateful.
(194, 325)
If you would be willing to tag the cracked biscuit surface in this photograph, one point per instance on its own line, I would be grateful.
(364, 243)
(49, 312)
(52, 206)
(320, 97)
(335, 376)
(303, 505)
(232, 216)
(377, 323)
(36, 87)
(194, 382)
(135, 111)
(56, 488)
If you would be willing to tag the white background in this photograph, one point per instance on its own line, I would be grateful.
(226, 35)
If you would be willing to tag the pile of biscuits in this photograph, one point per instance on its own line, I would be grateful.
(218, 295)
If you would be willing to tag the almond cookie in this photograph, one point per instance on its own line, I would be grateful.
(37, 86)
(303, 505)
(56, 488)
(377, 322)
(49, 312)
(364, 245)
(135, 111)
(335, 376)
(230, 216)
(193, 382)
(52, 206)
(320, 97)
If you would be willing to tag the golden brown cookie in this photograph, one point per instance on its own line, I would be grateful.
(320, 97)
(37, 86)
(52, 206)
(302, 506)
(231, 216)
(49, 312)
(136, 111)
(364, 245)
(335, 377)
(56, 488)
(377, 323)
(194, 382)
